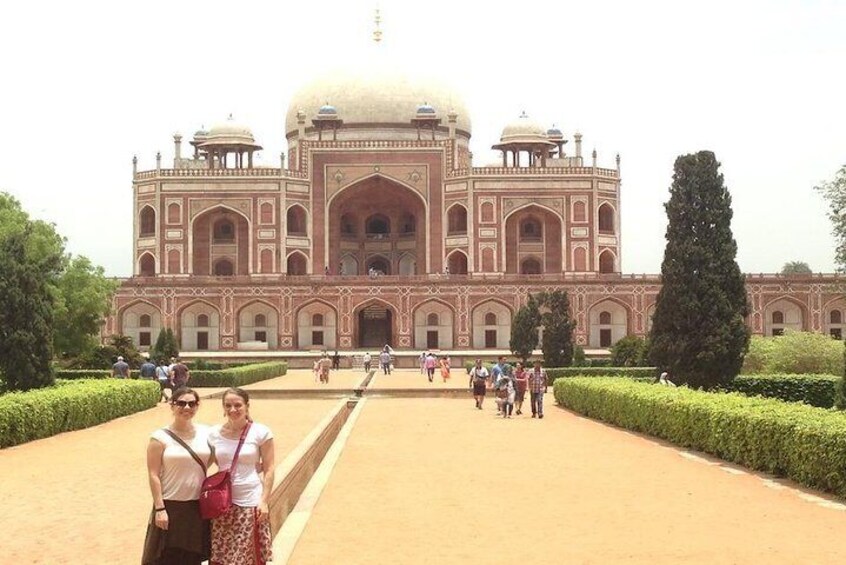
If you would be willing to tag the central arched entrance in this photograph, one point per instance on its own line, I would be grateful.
(375, 326)
(377, 226)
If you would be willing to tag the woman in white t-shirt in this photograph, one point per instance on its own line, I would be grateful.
(176, 534)
(235, 533)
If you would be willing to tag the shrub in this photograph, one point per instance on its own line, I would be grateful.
(71, 405)
(579, 359)
(238, 376)
(788, 439)
(78, 374)
(816, 390)
(630, 351)
(794, 353)
(646, 374)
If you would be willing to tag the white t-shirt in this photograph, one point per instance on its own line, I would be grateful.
(246, 482)
(181, 476)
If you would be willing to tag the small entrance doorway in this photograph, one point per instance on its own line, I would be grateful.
(374, 327)
(202, 341)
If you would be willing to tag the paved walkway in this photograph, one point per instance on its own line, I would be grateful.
(302, 379)
(414, 379)
(436, 481)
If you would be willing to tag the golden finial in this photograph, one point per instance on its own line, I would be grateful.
(377, 33)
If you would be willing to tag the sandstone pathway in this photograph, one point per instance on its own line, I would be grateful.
(425, 481)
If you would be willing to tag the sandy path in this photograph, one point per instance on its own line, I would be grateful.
(82, 497)
(303, 379)
(414, 379)
(436, 481)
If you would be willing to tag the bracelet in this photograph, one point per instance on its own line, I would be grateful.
(162, 509)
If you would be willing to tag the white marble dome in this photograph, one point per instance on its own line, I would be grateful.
(524, 130)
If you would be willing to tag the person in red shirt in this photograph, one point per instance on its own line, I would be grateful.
(537, 388)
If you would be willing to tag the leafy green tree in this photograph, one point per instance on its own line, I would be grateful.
(83, 300)
(699, 333)
(630, 351)
(557, 341)
(796, 268)
(166, 346)
(835, 192)
(524, 329)
(26, 311)
(42, 243)
(794, 352)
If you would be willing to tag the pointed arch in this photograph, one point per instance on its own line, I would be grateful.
(580, 259)
(147, 221)
(194, 337)
(487, 336)
(408, 264)
(381, 177)
(457, 262)
(201, 239)
(297, 263)
(437, 335)
(147, 265)
(140, 320)
(606, 214)
(258, 325)
(174, 213)
(609, 320)
(375, 321)
(456, 219)
(794, 315)
(607, 262)
(316, 336)
(296, 220)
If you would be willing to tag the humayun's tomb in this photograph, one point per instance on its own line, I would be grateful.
(377, 228)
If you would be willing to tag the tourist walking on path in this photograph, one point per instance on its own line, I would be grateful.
(336, 360)
(147, 370)
(445, 368)
(496, 373)
(479, 377)
(505, 392)
(243, 533)
(431, 362)
(163, 376)
(385, 361)
(177, 459)
(537, 388)
(422, 360)
(120, 369)
(179, 374)
(325, 366)
(366, 360)
(521, 383)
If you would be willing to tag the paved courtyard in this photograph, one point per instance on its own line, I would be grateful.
(424, 480)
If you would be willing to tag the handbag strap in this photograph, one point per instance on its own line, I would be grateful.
(188, 447)
(240, 444)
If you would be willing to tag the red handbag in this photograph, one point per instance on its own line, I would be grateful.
(216, 492)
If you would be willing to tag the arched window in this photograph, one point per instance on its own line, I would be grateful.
(377, 226)
(144, 321)
(317, 319)
(223, 231)
(224, 268)
(260, 321)
(296, 220)
(487, 260)
(266, 261)
(147, 266)
(203, 321)
(580, 259)
(836, 317)
(174, 262)
(457, 263)
(606, 262)
(457, 220)
(487, 212)
(530, 229)
(432, 319)
(606, 219)
(778, 317)
(490, 319)
(579, 212)
(147, 225)
(173, 213)
(296, 264)
(266, 213)
(605, 318)
(531, 266)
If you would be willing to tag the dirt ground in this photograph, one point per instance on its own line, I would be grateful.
(414, 379)
(302, 379)
(82, 497)
(437, 481)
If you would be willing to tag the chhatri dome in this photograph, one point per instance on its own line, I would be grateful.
(374, 90)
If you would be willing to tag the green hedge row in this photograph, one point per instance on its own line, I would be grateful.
(238, 376)
(36, 414)
(816, 390)
(801, 442)
(77, 374)
(637, 373)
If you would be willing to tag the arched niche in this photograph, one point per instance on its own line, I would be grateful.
(147, 222)
(433, 326)
(781, 315)
(317, 326)
(258, 326)
(200, 327)
(608, 322)
(297, 221)
(142, 322)
(147, 265)
(491, 336)
(297, 264)
(457, 220)
(457, 263)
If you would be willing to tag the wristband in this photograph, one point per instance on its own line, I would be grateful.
(162, 509)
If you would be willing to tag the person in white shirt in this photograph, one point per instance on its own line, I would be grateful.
(234, 534)
(177, 459)
(479, 378)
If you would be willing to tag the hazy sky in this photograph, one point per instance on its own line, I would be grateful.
(86, 85)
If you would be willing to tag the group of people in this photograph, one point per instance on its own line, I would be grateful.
(429, 363)
(178, 458)
(509, 385)
(170, 376)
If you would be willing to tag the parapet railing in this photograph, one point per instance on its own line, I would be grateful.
(194, 173)
(491, 171)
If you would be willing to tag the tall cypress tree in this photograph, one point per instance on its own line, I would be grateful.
(698, 331)
(524, 329)
(557, 341)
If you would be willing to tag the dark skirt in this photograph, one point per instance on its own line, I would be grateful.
(479, 387)
(187, 539)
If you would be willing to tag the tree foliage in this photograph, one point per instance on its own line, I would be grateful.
(26, 311)
(796, 268)
(631, 351)
(166, 346)
(699, 333)
(834, 192)
(524, 329)
(794, 352)
(557, 341)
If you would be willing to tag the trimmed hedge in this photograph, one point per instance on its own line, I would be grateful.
(71, 405)
(816, 390)
(77, 374)
(638, 373)
(238, 376)
(801, 442)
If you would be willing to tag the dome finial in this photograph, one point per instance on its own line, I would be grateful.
(377, 33)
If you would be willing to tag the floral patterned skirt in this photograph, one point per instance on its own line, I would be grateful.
(234, 538)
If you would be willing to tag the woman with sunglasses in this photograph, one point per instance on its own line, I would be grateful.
(177, 458)
(242, 535)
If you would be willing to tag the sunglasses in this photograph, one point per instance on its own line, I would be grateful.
(186, 403)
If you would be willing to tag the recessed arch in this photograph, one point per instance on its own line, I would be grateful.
(223, 267)
(457, 219)
(408, 264)
(297, 263)
(322, 335)
(147, 221)
(174, 213)
(833, 318)
(546, 239)
(609, 320)
(607, 260)
(433, 324)
(457, 262)
(266, 213)
(531, 266)
(196, 333)
(606, 215)
(258, 325)
(486, 336)
(378, 264)
(140, 320)
(203, 251)
(380, 177)
(580, 259)
(794, 315)
(375, 321)
(147, 265)
(296, 220)
(531, 229)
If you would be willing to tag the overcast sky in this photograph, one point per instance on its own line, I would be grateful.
(87, 85)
